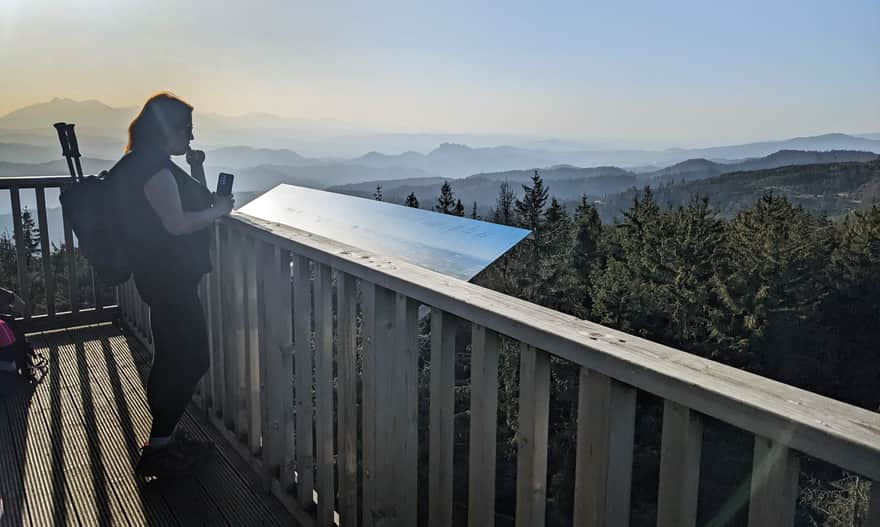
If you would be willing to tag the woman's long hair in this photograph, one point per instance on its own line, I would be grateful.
(162, 115)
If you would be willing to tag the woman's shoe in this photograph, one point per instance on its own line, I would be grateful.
(192, 446)
(169, 460)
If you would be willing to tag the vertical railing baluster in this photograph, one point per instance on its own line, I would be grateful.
(483, 432)
(70, 257)
(442, 417)
(680, 449)
(98, 290)
(252, 343)
(218, 371)
(873, 519)
(324, 393)
(404, 387)
(379, 341)
(269, 287)
(346, 320)
(603, 472)
(235, 317)
(621, 445)
(532, 434)
(48, 272)
(21, 252)
(230, 388)
(284, 335)
(303, 364)
(774, 487)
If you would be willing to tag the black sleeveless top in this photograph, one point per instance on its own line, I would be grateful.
(160, 259)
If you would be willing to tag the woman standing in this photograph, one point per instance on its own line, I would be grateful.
(168, 214)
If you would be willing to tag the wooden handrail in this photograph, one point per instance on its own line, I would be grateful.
(842, 434)
(272, 382)
(33, 181)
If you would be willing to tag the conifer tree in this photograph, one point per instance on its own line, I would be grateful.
(377, 195)
(412, 201)
(586, 252)
(530, 210)
(474, 212)
(459, 209)
(774, 279)
(446, 201)
(504, 212)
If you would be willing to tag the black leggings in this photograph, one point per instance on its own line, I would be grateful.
(180, 351)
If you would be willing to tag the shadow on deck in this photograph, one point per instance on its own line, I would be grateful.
(69, 445)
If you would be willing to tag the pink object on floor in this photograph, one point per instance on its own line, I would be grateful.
(7, 336)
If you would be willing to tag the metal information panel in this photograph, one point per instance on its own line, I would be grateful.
(459, 247)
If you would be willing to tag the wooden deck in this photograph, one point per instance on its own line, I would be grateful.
(68, 447)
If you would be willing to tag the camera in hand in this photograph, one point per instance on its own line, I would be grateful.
(224, 184)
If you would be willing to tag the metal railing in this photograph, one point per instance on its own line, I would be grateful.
(286, 361)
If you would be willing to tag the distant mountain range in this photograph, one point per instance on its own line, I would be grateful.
(251, 140)
(703, 168)
(570, 183)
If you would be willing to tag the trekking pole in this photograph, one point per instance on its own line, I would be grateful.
(74, 149)
(65, 147)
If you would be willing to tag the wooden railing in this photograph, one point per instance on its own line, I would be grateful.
(283, 351)
(102, 305)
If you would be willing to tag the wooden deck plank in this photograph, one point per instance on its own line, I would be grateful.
(83, 400)
(47, 493)
(181, 507)
(230, 491)
(11, 476)
(125, 421)
(76, 440)
(155, 503)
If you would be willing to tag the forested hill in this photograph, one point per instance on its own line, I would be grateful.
(830, 188)
(694, 169)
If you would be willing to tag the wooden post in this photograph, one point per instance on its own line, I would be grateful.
(679, 466)
(324, 393)
(442, 416)
(235, 318)
(230, 387)
(346, 320)
(302, 328)
(531, 439)
(404, 384)
(379, 332)
(622, 416)
(284, 332)
(20, 252)
(48, 274)
(252, 343)
(484, 420)
(270, 357)
(606, 427)
(874, 506)
(70, 255)
(774, 488)
(218, 372)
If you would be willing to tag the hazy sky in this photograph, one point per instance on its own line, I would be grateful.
(697, 72)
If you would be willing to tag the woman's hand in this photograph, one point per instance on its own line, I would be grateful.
(195, 157)
(223, 204)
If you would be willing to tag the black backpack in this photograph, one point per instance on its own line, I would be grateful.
(91, 205)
